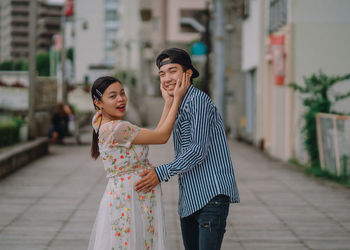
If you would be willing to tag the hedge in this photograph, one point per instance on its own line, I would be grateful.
(9, 132)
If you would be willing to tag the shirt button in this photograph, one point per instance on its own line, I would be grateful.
(177, 130)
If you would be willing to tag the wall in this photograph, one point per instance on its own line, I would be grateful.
(253, 52)
(321, 40)
(278, 102)
(129, 33)
(251, 36)
(234, 91)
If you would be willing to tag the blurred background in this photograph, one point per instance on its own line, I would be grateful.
(277, 70)
(269, 65)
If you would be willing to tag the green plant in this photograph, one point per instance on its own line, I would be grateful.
(20, 65)
(70, 54)
(9, 131)
(43, 64)
(316, 101)
(7, 65)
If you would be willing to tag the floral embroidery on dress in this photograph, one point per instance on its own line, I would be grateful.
(147, 202)
(120, 201)
(123, 161)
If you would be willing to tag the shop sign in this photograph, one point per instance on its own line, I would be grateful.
(278, 58)
(68, 8)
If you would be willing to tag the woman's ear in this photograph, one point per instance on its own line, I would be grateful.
(97, 104)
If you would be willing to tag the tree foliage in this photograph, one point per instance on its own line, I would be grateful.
(70, 54)
(43, 64)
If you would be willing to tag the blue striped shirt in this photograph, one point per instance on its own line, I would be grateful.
(202, 158)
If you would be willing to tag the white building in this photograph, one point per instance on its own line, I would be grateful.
(316, 37)
(253, 49)
(95, 46)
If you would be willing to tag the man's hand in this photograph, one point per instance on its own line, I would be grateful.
(148, 182)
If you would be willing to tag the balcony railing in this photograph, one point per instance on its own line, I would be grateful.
(20, 39)
(278, 14)
(20, 19)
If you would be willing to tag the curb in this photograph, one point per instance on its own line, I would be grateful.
(17, 156)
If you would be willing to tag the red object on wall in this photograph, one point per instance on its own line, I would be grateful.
(278, 58)
(68, 8)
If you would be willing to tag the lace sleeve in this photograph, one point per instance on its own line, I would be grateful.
(124, 133)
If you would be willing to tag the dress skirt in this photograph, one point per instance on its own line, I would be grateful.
(127, 219)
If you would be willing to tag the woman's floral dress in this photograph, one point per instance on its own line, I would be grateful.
(126, 219)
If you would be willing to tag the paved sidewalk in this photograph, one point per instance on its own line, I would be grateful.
(52, 203)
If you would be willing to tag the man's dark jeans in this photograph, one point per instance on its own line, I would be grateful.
(204, 229)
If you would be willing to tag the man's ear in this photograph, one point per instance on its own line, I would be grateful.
(190, 72)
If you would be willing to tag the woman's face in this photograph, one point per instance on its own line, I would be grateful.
(113, 102)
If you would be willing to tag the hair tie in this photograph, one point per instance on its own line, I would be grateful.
(96, 121)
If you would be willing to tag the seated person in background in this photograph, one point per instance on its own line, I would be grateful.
(70, 126)
(59, 121)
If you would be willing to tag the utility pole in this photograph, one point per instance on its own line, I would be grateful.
(32, 69)
(220, 57)
(63, 58)
(207, 41)
(128, 59)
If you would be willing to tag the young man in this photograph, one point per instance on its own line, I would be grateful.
(202, 159)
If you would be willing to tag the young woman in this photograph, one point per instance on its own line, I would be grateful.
(128, 219)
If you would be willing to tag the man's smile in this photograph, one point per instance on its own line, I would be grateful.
(170, 86)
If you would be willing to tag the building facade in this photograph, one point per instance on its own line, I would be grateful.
(283, 42)
(49, 24)
(14, 27)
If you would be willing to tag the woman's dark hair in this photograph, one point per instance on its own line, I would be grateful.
(97, 89)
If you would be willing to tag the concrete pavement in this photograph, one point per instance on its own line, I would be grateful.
(52, 203)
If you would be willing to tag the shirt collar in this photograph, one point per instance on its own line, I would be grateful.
(186, 96)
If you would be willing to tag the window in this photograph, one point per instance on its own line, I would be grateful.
(278, 14)
(111, 15)
(109, 44)
(191, 20)
(111, 4)
(146, 15)
(239, 7)
(111, 34)
(109, 56)
(245, 8)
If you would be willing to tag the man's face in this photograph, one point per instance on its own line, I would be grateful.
(169, 74)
